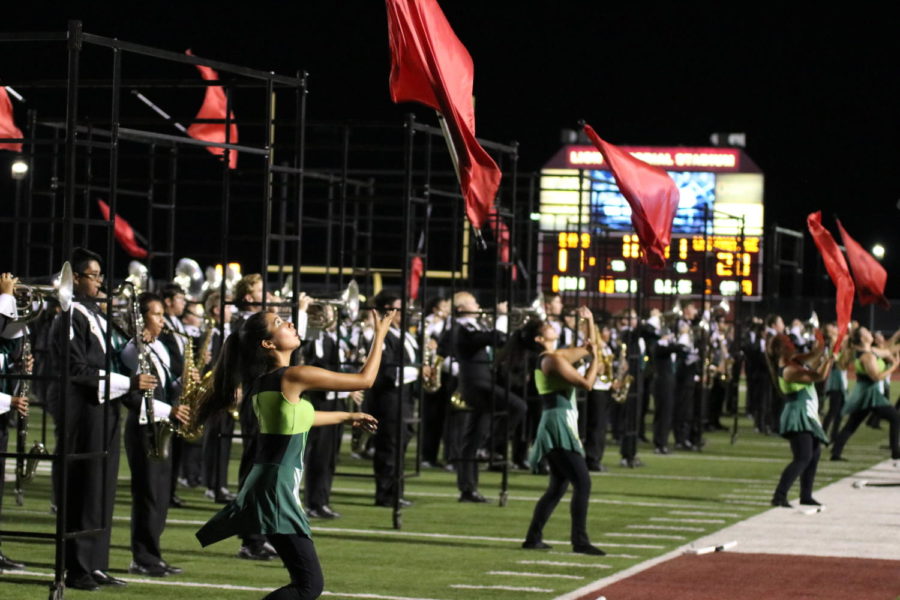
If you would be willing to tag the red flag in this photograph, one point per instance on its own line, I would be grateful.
(650, 192)
(416, 270)
(214, 105)
(837, 270)
(8, 127)
(501, 234)
(124, 233)
(868, 274)
(430, 65)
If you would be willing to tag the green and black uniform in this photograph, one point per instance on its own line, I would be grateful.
(799, 423)
(557, 441)
(867, 397)
(269, 500)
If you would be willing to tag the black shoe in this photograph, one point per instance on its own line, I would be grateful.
(473, 496)
(149, 570)
(219, 496)
(85, 582)
(838, 459)
(176, 502)
(523, 465)
(322, 512)
(661, 450)
(103, 578)
(593, 465)
(536, 546)
(171, 570)
(589, 550)
(781, 502)
(8, 564)
(810, 502)
(450, 468)
(255, 553)
(404, 503)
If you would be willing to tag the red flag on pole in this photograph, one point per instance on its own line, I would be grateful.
(501, 235)
(416, 270)
(8, 127)
(214, 107)
(868, 274)
(650, 192)
(837, 270)
(431, 66)
(124, 233)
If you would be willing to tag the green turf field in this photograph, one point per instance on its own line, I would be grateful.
(445, 548)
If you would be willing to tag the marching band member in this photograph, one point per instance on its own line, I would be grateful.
(151, 465)
(474, 351)
(687, 375)
(556, 379)
(385, 401)
(185, 456)
(836, 384)
(799, 421)
(87, 557)
(11, 405)
(597, 403)
(868, 393)
(268, 503)
(436, 404)
(664, 365)
(325, 350)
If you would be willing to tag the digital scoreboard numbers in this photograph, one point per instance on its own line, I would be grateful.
(586, 239)
(718, 265)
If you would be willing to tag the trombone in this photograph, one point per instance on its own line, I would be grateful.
(348, 300)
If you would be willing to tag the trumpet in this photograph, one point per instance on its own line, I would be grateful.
(347, 300)
(30, 298)
(518, 315)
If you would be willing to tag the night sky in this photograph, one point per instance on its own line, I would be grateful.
(816, 93)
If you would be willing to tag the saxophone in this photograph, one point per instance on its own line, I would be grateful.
(624, 378)
(25, 467)
(430, 358)
(195, 392)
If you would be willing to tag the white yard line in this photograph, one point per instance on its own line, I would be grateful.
(665, 528)
(574, 554)
(505, 588)
(672, 520)
(703, 513)
(648, 536)
(554, 563)
(531, 574)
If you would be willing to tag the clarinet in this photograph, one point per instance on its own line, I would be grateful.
(158, 434)
(25, 467)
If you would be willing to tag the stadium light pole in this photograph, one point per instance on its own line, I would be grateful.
(878, 253)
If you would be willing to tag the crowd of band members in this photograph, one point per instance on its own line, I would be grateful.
(485, 408)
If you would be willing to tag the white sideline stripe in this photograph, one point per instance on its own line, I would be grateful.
(227, 586)
(702, 513)
(647, 536)
(555, 563)
(506, 588)
(534, 499)
(670, 520)
(530, 574)
(665, 528)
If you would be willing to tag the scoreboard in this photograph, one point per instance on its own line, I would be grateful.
(607, 264)
(587, 242)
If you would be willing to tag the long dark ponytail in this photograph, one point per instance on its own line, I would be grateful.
(241, 361)
(521, 346)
